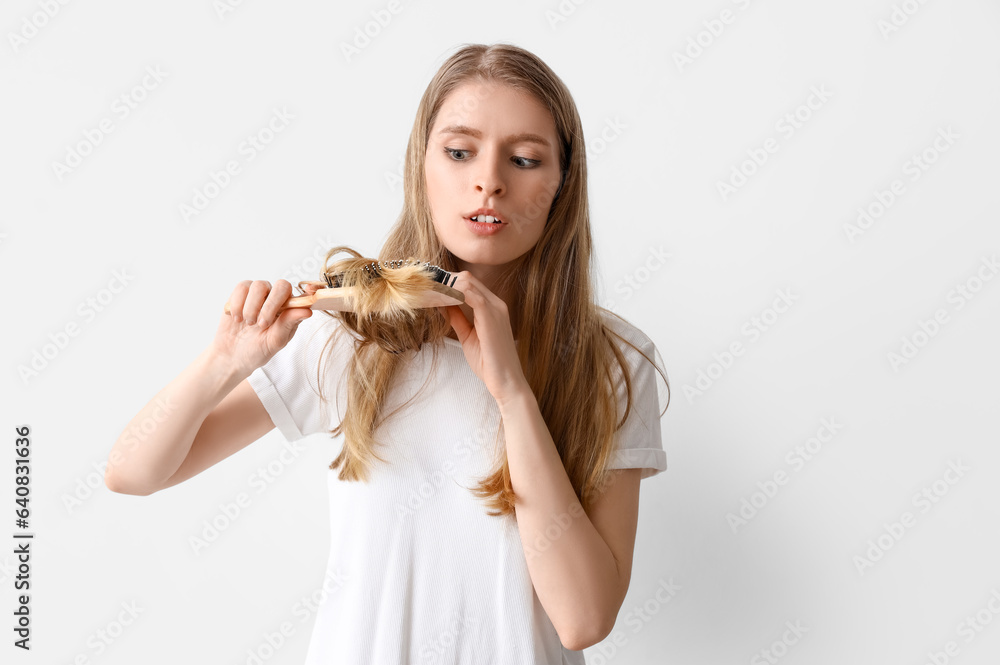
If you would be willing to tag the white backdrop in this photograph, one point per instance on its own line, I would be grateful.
(795, 201)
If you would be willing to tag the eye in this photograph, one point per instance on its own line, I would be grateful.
(525, 162)
(452, 151)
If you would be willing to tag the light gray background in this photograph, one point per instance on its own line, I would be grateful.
(328, 179)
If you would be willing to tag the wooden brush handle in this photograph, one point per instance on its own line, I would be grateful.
(438, 295)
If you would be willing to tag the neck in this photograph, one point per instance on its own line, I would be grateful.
(489, 276)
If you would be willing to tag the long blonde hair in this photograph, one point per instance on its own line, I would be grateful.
(565, 349)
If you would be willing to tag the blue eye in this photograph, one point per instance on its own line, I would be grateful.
(524, 164)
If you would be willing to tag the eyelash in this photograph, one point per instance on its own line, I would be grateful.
(532, 163)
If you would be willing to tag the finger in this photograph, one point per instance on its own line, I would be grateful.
(471, 283)
(459, 280)
(287, 322)
(272, 304)
(292, 317)
(237, 298)
(255, 298)
(458, 321)
(473, 296)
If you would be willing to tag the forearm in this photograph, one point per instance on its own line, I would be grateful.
(572, 568)
(158, 439)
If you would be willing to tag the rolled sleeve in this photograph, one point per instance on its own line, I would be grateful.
(638, 442)
(273, 404)
(287, 384)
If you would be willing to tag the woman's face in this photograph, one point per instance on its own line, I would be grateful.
(491, 146)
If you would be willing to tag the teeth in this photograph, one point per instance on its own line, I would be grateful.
(486, 219)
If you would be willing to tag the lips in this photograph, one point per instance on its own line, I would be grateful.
(484, 229)
(483, 212)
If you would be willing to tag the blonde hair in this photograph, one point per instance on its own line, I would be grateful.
(565, 349)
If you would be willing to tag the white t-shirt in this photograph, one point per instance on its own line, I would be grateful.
(418, 572)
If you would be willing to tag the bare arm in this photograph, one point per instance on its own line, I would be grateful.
(209, 411)
(200, 418)
(239, 420)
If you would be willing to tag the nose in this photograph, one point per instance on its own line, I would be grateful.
(488, 178)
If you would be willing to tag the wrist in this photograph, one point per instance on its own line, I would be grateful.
(219, 370)
(517, 395)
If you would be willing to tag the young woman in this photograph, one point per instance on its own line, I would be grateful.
(484, 503)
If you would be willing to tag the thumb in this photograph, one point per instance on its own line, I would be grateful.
(458, 322)
(288, 322)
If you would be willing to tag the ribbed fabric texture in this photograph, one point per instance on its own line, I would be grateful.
(418, 572)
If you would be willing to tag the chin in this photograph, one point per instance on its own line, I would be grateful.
(479, 256)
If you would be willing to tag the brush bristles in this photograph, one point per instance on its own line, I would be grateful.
(390, 290)
(387, 309)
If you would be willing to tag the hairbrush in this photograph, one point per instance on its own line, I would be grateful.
(436, 287)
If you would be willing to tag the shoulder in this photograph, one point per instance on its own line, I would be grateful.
(312, 336)
(626, 330)
(642, 359)
(317, 328)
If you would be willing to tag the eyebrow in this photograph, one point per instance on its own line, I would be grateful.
(514, 138)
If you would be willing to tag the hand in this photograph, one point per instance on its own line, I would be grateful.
(254, 330)
(488, 342)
